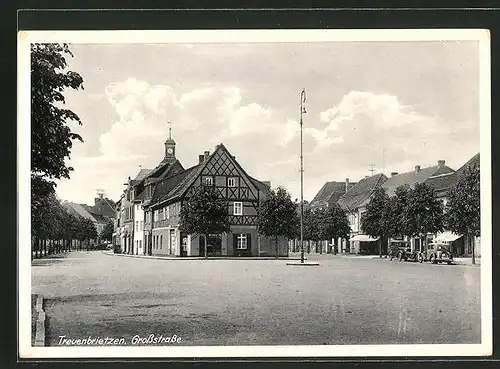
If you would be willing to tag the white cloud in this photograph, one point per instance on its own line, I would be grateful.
(266, 141)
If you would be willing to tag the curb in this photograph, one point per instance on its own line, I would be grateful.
(40, 322)
(198, 257)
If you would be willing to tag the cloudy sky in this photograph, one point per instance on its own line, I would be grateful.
(393, 105)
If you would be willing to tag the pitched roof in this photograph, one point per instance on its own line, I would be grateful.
(361, 191)
(444, 182)
(177, 184)
(171, 185)
(413, 177)
(261, 186)
(475, 160)
(80, 210)
(331, 192)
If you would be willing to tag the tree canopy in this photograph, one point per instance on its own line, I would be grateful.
(51, 137)
(277, 215)
(333, 223)
(377, 220)
(463, 210)
(423, 212)
(204, 212)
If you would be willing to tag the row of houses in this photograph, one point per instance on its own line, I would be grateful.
(354, 197)
(102, 212)
(148, 212)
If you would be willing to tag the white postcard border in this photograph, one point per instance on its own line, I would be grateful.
(225, 36)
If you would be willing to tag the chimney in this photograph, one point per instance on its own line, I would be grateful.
(201, 158)
(206, 154)
(441, 163)
(417, 168)
(346, 184)
(394, 174)
(234, 157)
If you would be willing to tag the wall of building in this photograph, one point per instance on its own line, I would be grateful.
(138, 229)
(166, 241)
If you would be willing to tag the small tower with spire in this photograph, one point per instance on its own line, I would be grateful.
(170, 145)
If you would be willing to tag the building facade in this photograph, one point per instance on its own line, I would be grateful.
(153, 201)
(354, 204)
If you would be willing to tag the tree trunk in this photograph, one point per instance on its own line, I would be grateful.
(44, 247)
(276, 245)
(473, 249)
(206, 246)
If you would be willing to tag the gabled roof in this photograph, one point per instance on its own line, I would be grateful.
(475, 160)
(444, 182)
(361, 191)
(80, 210)
(173, 184)
(176, 185)
(331, 192)
(413, 177)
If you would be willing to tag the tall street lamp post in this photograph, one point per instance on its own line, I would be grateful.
(302, 111)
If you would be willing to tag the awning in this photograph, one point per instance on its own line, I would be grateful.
(363, 238)
(447, 236)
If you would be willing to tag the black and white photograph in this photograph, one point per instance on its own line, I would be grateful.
(257, 193)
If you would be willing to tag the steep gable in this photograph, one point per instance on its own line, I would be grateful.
(361, 192)
(219, 163)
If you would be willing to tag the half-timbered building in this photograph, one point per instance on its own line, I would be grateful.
(242, 193)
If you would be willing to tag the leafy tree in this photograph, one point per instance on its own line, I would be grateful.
(423, 212)
(107, 232)
(277, 216)
(204, 212)
(311, 220)
(376, 220)
(463, 211)
(51, 137)
(333, 223)
(397, 223)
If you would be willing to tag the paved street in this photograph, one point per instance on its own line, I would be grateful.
(346, 300)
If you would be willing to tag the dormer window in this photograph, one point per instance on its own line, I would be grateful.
(209, 181)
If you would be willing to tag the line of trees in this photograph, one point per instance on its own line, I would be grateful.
(51, 143)
(415, 212)
(54, 228)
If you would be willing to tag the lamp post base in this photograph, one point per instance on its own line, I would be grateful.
(308, 263)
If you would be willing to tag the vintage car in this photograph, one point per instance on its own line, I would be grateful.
(437, 253)
(398, 249)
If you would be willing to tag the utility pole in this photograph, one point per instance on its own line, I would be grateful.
(302, 111)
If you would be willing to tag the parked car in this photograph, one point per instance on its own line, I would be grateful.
(437, 253)
(398, 249)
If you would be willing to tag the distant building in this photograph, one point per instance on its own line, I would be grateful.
(354, 204)
(419, 175)
(100, 213)
(442, 184)
(330, 193)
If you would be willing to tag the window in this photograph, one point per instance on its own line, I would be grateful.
(168, 212)
(231, 182)
(209, 181)
(241, 242)
(141, 226)
(161, 241)
(238, 208)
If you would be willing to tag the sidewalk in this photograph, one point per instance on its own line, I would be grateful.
(111, 253)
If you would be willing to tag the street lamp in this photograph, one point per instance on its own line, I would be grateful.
(302, 111)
